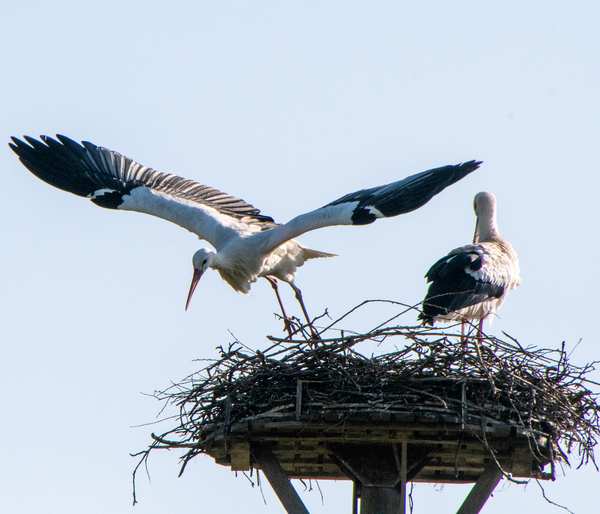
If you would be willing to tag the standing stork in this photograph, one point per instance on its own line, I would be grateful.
(471, 282)
(248, 244)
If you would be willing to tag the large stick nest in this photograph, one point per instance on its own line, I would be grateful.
(534, 389)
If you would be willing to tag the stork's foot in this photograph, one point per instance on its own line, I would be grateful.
(288, 327)
(314, 335)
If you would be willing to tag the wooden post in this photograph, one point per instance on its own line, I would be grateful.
(483, 488)
(387, 500)
(279, 481)
(381, 500)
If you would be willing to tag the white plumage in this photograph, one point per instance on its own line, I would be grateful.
(471, 282)
(248, 244)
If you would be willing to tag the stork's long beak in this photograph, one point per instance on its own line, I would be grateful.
(195, 279)
(476, 235)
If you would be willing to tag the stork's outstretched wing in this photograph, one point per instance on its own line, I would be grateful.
(365, 206)
(116, 182)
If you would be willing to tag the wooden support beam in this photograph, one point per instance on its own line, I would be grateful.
(280, 483)
(483, 488)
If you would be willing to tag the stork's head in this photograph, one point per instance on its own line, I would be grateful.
(201, 261)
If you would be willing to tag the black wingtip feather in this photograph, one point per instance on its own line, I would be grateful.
(54, 163)
(83, 169)
(405, 195)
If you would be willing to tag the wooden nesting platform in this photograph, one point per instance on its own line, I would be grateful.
(438, 409)
(367, 447)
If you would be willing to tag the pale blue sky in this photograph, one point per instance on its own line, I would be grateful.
(289, 106)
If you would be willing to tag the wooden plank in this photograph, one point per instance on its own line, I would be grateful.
(279, 481)
(522, 462)
(483, 488)
(440, 466)
(302, 448)
(411, 421)
(240, 457)
(329, 434)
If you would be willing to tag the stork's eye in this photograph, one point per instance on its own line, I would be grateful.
(204, 262)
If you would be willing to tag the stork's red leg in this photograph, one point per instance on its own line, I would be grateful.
(286, 321)
(313, 332)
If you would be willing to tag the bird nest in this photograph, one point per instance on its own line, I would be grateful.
(432, 375)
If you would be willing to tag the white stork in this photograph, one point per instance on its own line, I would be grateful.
(471, 282)
(248, 244)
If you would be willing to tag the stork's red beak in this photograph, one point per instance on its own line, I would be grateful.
(195, 279)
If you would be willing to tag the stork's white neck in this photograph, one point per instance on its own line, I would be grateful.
(486, 228)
